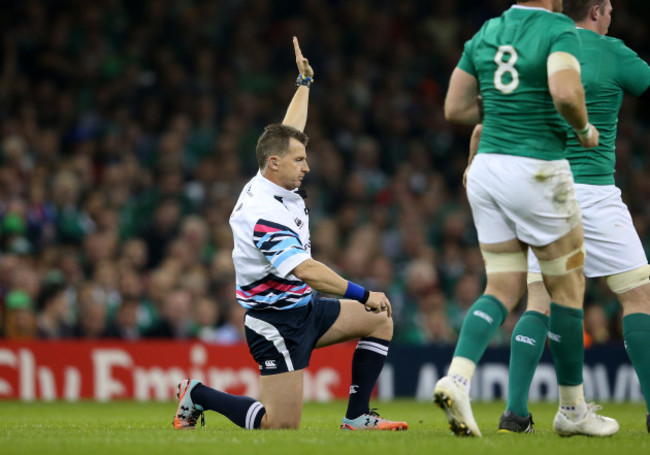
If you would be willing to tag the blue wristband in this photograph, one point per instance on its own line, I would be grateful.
(356, 292)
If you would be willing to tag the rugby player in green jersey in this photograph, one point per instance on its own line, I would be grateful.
(614, 250)
(524, 65)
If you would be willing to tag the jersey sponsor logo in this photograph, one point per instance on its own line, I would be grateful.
(482, 315)
(353, 389)
(270, 365)
(525, 339)
(555, 337)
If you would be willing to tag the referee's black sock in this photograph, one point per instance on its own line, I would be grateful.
(241, 410)
(367, 363)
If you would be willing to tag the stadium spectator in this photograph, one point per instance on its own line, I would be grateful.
(232, 330)
(124, 325)
(206, 316)
(53, 315)
(20, 318)
(92, 320)
(175, 316)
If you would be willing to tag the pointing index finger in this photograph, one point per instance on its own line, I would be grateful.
(296, 48)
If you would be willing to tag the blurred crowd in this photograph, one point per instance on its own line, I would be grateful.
(127, 130)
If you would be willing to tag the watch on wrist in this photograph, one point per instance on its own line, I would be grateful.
(304, 80)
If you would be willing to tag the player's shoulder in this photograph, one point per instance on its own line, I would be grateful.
(617, 45)
(587, 36)
(608, 45)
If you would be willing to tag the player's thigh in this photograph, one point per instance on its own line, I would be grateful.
(281, 395)
(492, 224)
(505, 265)
(355, 322)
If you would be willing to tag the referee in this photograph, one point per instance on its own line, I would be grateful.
(276, 282)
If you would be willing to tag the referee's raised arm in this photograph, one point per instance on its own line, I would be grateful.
(296, 115)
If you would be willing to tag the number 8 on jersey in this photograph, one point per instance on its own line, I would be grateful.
(506, 67)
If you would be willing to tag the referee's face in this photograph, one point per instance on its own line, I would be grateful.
(292, 167)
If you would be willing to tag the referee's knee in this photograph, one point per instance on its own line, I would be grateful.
(383, 328)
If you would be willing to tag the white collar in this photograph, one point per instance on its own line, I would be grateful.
(531, 7)
(274, 189)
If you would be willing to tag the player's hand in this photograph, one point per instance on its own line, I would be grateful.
(465, 176)
(473, 147)
(304, 67)
(378, 303)
(591, 139)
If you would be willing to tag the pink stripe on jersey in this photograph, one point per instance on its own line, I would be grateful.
(263, 228)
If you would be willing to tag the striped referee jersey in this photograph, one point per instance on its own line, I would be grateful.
(270, 227)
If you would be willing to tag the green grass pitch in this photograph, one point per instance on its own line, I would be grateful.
(145, 429)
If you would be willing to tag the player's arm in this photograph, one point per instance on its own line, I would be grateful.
(462, 101)
(296, 115)
(320, 277)
(568, 96)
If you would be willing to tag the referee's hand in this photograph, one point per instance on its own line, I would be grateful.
(378, 303)
(304, 67)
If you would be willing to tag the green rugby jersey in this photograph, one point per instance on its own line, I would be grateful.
(609, 68)
(508, 57)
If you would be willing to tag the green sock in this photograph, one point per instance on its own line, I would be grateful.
(566, 340)
(481, 323)
(636, 333)
(526, 348)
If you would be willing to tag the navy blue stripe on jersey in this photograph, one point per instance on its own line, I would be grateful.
(277, 242)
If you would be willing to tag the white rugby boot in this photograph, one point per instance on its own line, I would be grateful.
(591, 424)
(453, 398)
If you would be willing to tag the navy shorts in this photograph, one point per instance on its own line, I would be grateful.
(283, 340)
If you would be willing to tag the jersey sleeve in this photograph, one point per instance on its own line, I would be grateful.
(633, 71)
(280, 245)
(567, 40)
(466, 63)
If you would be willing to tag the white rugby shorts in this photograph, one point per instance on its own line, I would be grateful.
(612, 244)
(525, 198)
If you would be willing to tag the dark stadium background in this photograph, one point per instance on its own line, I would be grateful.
(127, 129)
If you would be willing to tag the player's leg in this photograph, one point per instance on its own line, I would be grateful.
(281, 344)
(194, 398)
(375, 332)
(561, 263)
(556, 237)
(281, 394)
(526, 348)
(636, 328)
(282, 398)
(615, 251)
(506, 273)
(488, 191)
